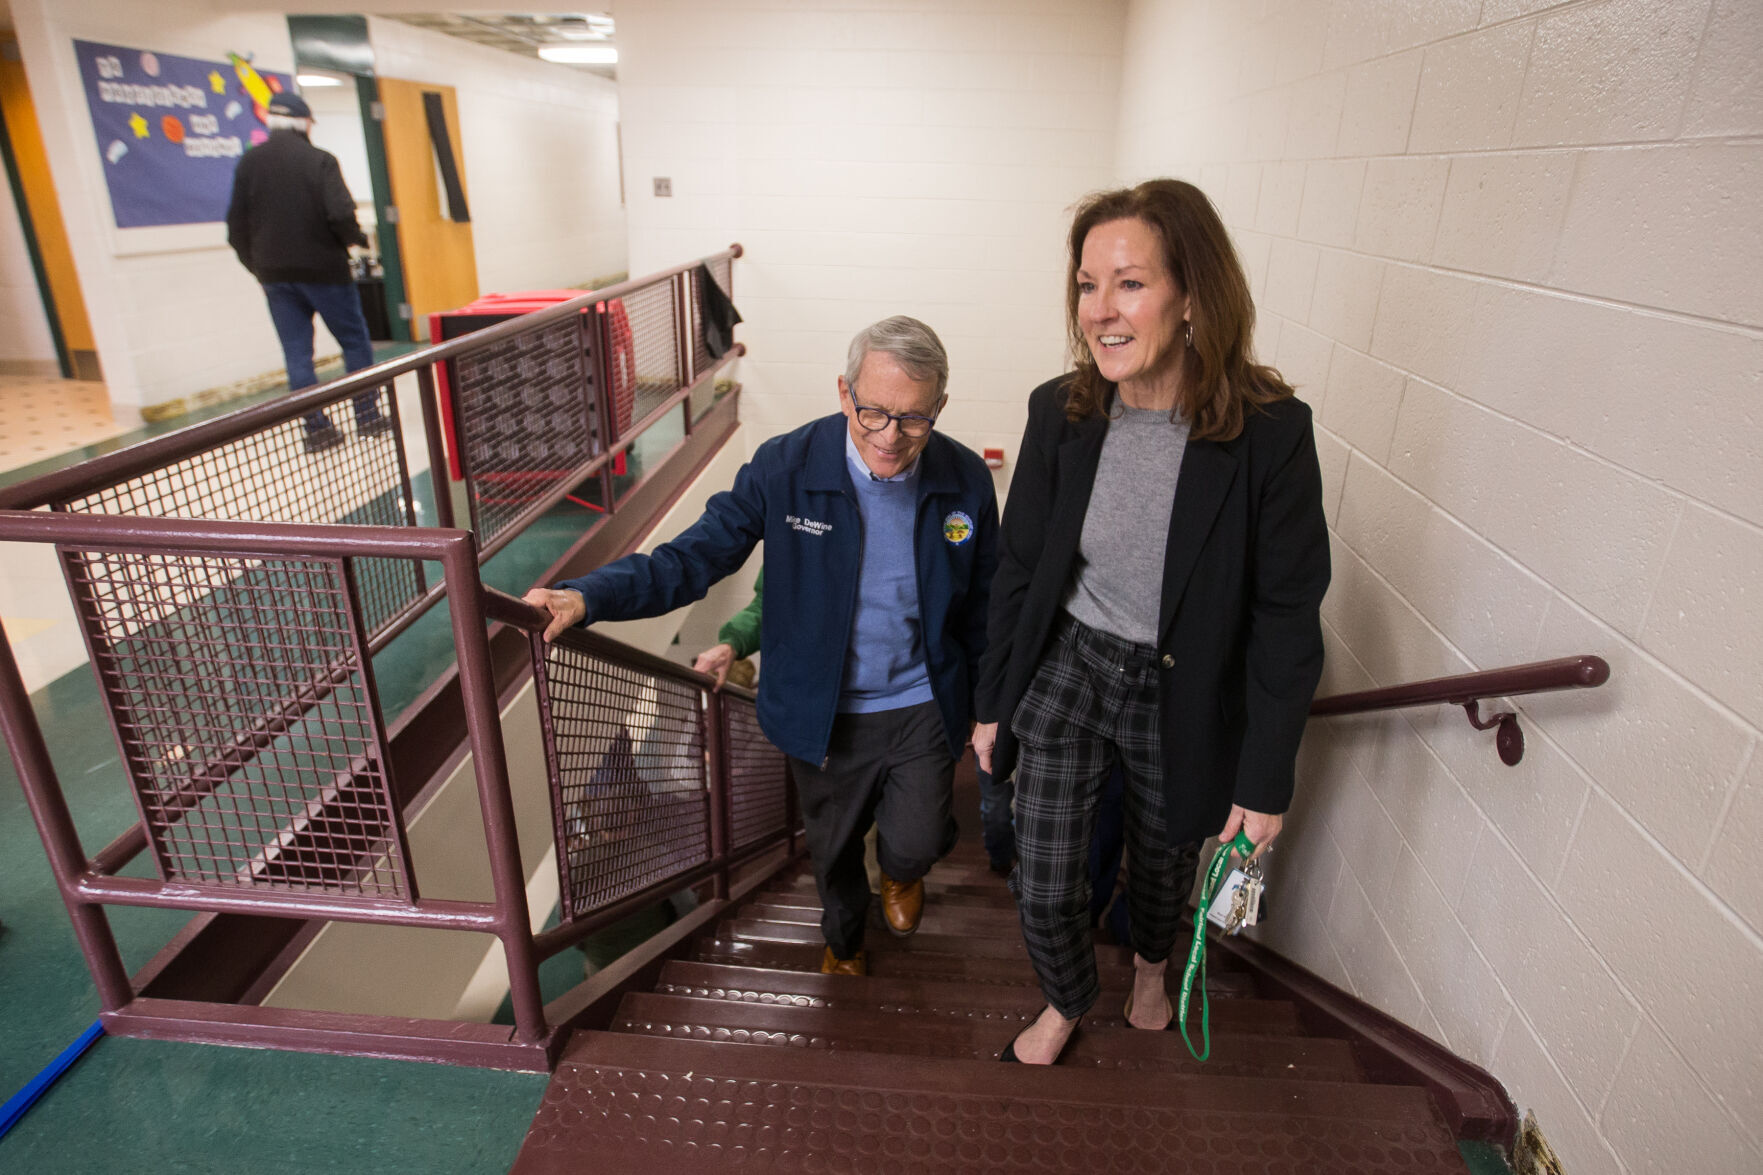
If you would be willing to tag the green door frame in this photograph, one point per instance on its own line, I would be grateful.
(340, 44)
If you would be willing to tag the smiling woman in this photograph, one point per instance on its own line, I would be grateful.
(1160, 571)
(1149, 263)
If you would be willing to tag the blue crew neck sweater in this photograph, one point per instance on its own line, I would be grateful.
(884, 663)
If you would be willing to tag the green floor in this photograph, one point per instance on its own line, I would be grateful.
(134, 1105)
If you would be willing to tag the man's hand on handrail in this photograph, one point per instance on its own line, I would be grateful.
(567, 609)
(715, 662)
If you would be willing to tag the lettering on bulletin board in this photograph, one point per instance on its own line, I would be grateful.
(171, 129)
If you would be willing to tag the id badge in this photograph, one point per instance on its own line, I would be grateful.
(1238, 901)
(1229, 908)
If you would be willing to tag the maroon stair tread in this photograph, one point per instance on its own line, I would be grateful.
(927, 941)
(1115, 975)
(1233, 1055)
(937, 918)
(943, 997)
(975, 872)
(650, 1105)
(877, 941)
(800, 897)
(933, 888)
(965, 873)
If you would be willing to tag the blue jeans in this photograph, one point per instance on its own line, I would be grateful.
(291, 307)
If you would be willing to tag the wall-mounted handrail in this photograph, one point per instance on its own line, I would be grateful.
(1469, 690)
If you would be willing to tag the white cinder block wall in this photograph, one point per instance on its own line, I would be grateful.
(1510, 252)
(541, 157)
(876, 157)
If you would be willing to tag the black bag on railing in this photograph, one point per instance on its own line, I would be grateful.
(719, 314)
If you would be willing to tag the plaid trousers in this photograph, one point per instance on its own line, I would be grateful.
(1092, 703)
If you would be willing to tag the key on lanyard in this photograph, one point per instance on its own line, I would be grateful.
(1238, 903)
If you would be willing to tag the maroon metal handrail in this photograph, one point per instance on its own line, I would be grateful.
(538, 377)
(1469, 690)
(721, 857)
(343, 830)
(155, 453)
(85, 888)
(130, 1005)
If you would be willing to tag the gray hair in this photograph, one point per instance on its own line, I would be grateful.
(287, 122)
(914, 346)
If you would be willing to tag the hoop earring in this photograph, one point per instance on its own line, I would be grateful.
(1188, 335)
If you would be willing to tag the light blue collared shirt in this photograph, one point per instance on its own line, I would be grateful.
(860, 470)
(885, 667)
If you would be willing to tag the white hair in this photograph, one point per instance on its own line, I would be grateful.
(914, 346)
(287, 122)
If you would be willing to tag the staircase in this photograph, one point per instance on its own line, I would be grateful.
(744, 1057)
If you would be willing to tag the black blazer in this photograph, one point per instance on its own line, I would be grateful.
(1240, 634)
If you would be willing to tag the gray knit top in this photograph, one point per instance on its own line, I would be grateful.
(1117, 582)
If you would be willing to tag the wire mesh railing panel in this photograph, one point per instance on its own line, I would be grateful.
(244, 708)
(758, 782)
(650, 365)
(277, 474)
(629, 791)
(526, 422)
(722, 269)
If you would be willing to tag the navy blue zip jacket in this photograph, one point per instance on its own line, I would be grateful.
(796, 496)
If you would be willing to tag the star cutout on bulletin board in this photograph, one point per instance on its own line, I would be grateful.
(216, 82)
(138, 125)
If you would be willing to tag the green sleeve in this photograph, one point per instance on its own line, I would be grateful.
(742, 630)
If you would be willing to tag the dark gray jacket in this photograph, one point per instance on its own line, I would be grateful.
(291, 218)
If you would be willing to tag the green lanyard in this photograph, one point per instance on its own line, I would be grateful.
(1197, 952)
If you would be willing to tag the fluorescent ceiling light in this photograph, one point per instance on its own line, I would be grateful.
(580, 54)
(310, 80)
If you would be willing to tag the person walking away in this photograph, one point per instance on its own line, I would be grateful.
(291, 221)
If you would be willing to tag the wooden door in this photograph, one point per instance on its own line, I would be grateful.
(439, 261)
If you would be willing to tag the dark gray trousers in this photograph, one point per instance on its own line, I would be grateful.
(893, 768)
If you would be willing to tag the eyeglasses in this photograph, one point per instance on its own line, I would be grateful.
(875, 420)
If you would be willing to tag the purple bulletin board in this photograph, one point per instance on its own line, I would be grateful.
(170, 130)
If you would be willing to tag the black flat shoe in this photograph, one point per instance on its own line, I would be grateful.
(1010, 1049)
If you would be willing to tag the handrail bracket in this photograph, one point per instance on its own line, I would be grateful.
(1510, 741)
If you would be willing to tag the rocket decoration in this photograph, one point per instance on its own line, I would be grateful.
(258, 89)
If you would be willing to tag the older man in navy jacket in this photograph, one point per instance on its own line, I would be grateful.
(880, 539)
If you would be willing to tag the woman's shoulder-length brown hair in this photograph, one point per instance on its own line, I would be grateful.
(1220, 378)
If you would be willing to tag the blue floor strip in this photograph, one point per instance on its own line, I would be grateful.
(36, 1087)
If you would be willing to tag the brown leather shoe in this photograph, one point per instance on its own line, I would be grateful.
(902, 904)
(831, 964)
